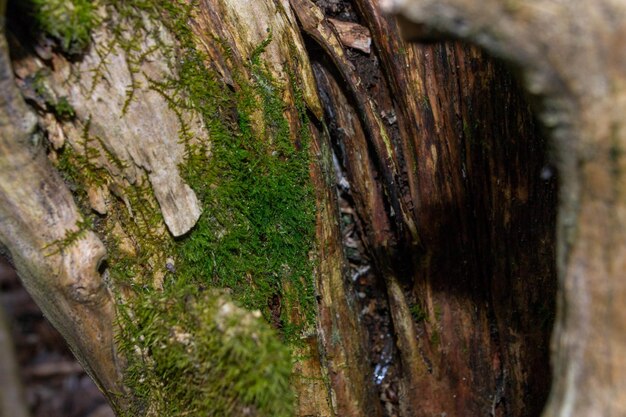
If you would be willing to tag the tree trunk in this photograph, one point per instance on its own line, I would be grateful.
(567, 55)
(283, 208)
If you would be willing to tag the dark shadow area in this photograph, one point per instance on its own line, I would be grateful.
(487, 281)
(477, 181)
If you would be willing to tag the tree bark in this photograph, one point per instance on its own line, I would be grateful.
(37, 211)
(566, 56)
(425, 281)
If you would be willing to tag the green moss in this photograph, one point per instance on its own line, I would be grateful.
(438, 313)
(60, 106)
(257, 227)
(63, 109)
(253, 239)
(435, 338)
(78, 167)
(417, 312)
(199, 355)
(68, 21)
(71, 236)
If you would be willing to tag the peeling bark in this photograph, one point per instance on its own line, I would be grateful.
(451, 190)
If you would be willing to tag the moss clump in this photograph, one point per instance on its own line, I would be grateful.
(71, 236)
(205, 357)
(59, 106)
(435, 338)
(63, 109)
(68, 21)
(417, 312)
(256, 233)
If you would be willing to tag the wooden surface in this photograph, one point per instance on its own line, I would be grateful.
(455, 213)
(448, 180)
(569, 58)
(37, 211)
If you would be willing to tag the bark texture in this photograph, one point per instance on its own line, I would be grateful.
(128, 131)
(37, 213)
(435, 260)
(568, 57)
(432, 142)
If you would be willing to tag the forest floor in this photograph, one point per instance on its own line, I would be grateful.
(54, 383)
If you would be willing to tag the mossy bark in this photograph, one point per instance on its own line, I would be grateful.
(203, 144)
(193, 170)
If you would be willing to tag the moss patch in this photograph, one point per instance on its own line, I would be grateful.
(46, 98)
(257, 226)
(70, 22)
(418, 313)
(253, 240)
(206, 357)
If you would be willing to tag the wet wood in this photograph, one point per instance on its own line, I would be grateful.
(341, 334)
(459, 177)
(313, 23)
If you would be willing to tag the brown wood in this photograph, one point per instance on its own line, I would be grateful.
(445, 173)
(353, 35)
(484, 330)
(568, 57)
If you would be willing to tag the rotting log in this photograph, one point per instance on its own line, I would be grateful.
(471, 305)
(570, 61)
(120, 129)
(37, 212)
(441, 171)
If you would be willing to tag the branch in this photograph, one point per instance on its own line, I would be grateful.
(37, 210)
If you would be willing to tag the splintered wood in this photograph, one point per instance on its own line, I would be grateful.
(353, 35)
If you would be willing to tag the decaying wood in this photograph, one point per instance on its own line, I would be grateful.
(569, 57)
(452, 293)
(447, 176)
(37, 212)
(313, 23)
(335, 351)
(245, 28)
(353, 35)
(141, 131)
(341, 335)
(134, 137)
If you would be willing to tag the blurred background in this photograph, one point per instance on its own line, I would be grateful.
(39, 376)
